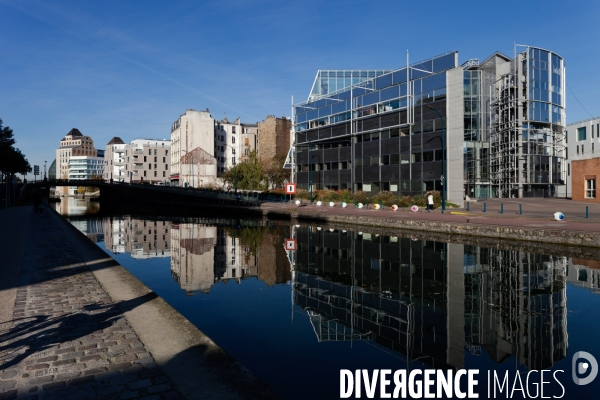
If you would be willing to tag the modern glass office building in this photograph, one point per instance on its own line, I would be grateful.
(390, 130)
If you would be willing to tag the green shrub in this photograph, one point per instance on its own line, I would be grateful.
(419, 200)
(404, 201)
(361, 197)
(386, 198)
(302, 194)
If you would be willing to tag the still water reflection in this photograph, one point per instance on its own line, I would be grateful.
(295, 304)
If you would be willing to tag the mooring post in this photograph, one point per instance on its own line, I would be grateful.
(484, 207)
(501, 208)
(587, 212)
(520, 209)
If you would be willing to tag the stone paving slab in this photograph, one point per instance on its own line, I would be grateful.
(68, 339)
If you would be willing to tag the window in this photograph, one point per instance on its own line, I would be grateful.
(144, 158)
(233, 160)
(166, 152)
(144, 173)
(164, 174)
(154, 153)
(581, 134)
(590, 188)
(149, 152)
(164, 159)
(154, 158)
(233, 139)
(155, 172)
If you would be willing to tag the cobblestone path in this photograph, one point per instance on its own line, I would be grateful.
(68, 339)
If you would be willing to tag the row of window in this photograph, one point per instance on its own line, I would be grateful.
(156, 174)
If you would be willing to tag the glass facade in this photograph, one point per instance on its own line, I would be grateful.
(528, 131)
(383, 132)
(379, 134)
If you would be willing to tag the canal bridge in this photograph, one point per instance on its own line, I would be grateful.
(118, 194)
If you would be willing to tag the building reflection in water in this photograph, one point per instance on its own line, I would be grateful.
(431, 301)
(203, 252)
(142, 238)
(204, 255)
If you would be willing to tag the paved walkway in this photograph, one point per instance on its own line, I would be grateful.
(74, 324)
(537, 213)
(66, 338)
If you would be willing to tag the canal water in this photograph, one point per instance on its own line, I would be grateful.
(296, 304)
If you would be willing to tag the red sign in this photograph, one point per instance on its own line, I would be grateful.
(290, 188)
(290, 244)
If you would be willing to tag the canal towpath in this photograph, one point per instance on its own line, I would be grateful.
(74, 325)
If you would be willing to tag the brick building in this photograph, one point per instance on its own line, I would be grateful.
(273, 137)
(583, 178)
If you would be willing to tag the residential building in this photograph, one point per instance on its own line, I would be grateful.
(147, 160)
(193, 142)
(86, 167)
(73, 144)
(114, 160)
(583, 159)
(249, 140)
(494, 128)
(228, 144)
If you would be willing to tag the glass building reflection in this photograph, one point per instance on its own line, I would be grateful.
(430, 301)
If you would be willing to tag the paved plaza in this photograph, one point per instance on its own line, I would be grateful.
(536, 213)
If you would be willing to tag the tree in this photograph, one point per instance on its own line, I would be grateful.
(274, 172)
(12, 161)
(248, 174)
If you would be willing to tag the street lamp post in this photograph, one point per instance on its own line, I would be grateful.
(443, 157)
(45, 169)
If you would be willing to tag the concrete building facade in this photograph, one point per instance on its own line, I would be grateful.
(228, 144)
(147, 160)
(193, 160)
(114, 160)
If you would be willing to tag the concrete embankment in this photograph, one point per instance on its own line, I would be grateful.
(83, 327)
(507, 228)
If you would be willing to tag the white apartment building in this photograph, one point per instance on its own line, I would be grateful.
(228, 144)
(193, 161)
(233, 143)
(86, 167)
(147, 160)
(114, 160)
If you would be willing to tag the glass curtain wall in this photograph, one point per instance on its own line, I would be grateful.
(476, 150)
(543, 134)
(377, 135)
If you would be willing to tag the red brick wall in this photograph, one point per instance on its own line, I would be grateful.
(582, 170)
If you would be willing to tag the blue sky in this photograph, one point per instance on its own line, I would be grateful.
(130, 68)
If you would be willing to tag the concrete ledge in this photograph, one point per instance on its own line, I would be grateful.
(198, 367)
(554, 236)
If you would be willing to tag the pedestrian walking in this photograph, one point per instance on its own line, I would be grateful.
(37, 198)
(429, 201)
